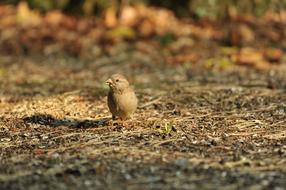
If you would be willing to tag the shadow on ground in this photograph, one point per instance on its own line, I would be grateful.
(49, 120)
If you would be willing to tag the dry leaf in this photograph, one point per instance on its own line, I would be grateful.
(129, 16)
(251, 57)
(110, 18)
(27, 17)
(54, 17)
(146, 28)
(273, 54)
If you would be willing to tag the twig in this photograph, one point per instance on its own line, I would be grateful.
(150, 103)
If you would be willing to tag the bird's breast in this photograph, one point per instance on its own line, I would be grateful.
(126, 102)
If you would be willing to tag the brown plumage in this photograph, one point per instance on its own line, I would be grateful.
(121, 99)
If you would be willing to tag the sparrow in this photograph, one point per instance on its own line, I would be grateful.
(121, 99)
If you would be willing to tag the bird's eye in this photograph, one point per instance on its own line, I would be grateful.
(117, 80)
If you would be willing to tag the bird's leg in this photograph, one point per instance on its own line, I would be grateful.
(123, 123)
(113, 122)
(117, 123)
(120, 121)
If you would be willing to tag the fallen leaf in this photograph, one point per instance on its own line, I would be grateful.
(110, 18)
(129, 16)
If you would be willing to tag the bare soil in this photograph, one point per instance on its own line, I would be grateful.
(194, 129)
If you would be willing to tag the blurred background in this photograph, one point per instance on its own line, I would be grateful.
(183, 8)
(86, 28)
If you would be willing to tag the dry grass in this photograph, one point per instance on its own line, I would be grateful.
(189, 132)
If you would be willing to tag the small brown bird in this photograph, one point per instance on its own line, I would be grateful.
(121, 99)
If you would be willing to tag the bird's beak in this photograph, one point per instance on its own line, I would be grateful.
(109, 81)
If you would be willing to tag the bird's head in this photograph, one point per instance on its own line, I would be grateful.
(117, 83)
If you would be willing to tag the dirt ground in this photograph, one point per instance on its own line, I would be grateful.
(194, 128)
